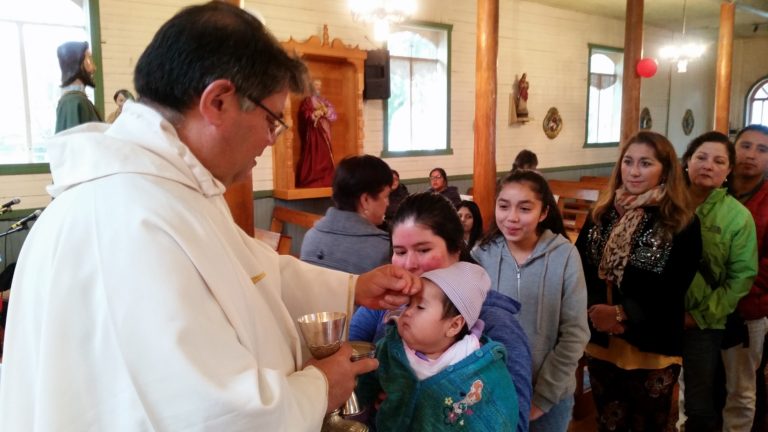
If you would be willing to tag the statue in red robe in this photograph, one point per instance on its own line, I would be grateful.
(315, 167)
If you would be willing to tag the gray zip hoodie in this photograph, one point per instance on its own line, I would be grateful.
(551, 289)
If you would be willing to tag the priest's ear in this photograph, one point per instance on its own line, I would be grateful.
(218, 99)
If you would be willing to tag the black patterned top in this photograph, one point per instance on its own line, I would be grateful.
(656, 278)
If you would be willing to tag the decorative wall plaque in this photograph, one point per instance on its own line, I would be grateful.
(646, 122)
(553, 123)
(688, 122)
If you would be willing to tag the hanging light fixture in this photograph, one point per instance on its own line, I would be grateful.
(683, 51)
(382, 13)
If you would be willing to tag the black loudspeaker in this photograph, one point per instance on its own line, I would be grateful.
(377, 75)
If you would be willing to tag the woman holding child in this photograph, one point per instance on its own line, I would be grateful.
(640, 251)
(427, 235)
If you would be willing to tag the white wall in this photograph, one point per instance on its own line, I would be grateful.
(29, 187)
(686, 94)
(550, 45)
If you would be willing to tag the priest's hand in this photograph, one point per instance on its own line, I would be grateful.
(340, 372)
(386, 287)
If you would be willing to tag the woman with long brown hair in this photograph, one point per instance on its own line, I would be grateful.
(640, 250)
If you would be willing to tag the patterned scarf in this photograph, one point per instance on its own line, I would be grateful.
(631, 209)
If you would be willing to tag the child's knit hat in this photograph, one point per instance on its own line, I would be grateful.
(466, 285)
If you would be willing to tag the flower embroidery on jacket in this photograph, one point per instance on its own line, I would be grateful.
(455, 412)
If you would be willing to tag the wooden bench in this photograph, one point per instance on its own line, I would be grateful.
(574, 200)
(598, 181)
(282, 216)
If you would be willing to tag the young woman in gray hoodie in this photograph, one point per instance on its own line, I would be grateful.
(529, 260)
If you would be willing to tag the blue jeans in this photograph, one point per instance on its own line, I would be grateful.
(701, 356)
(557, 419)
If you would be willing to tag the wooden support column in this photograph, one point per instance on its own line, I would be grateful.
(484, 177)
(633, 51)
(239, 196)
(723, 67)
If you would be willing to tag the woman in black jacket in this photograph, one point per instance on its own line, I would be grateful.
(640, 251)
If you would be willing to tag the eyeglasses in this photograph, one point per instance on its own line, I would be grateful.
(435, 177)
(277, 126)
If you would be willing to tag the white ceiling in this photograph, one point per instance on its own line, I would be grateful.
(701, 15)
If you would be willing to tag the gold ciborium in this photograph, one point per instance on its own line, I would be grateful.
(323, 333)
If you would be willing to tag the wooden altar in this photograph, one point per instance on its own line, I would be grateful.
(340, 68)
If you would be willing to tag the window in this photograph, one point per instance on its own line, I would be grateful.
(31, 32)
(757, 104)
(417, 112)
(606, 66)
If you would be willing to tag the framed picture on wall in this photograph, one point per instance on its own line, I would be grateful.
(688, 122)
(553, 123)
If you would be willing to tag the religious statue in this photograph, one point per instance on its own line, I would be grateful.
(522, 97)
(77, 72)
(315, 167)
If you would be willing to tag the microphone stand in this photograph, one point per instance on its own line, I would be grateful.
(14, 230)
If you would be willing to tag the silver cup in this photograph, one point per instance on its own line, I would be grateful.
(360, 350)
(322, 332)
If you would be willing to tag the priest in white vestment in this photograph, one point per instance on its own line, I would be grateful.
(138, 304)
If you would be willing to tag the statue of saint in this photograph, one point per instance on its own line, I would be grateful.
(315, 167)
(77, 72)
(522, 97)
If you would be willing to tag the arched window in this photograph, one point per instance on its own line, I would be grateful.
(604, 95)
(757, 104)
(31, 31)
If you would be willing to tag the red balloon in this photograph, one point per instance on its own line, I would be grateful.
(647, 67)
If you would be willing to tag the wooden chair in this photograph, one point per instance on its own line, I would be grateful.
(284, 215)
(574, 200)
(278, 242)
